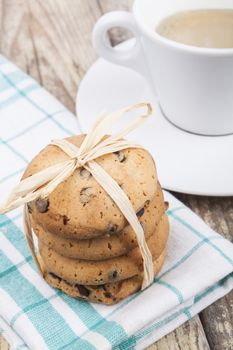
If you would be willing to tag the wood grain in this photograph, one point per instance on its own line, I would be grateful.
(51, 41)
(218, 320)
(3, 344)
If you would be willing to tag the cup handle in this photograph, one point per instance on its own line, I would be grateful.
(133, 57)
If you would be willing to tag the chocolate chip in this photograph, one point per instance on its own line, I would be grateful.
(42, 205)
(113, 274)
(166, 205)
(29, 207)
(82, 290)
(107, 295)
(85, 174)
(112, 228)
(120, 155)
(55, 276)
(86, 194)
(102, 286)
(65, 219)
(140, 212)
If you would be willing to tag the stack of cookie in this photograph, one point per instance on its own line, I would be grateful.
(87, 248)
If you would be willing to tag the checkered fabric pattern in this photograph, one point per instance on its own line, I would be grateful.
(198, 269)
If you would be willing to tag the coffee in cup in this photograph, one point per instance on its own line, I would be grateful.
(210, 28)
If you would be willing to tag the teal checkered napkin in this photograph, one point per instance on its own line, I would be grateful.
(198, 269)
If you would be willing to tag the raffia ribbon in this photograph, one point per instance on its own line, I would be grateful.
(93, 146)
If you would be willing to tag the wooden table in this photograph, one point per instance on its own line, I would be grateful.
(50, 40)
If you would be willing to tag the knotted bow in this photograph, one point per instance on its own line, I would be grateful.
(94, 145)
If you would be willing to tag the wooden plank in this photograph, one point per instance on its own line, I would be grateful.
(117, 35)
(51, 40)
(218, 322)
(3, 344)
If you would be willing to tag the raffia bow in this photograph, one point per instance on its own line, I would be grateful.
(94, 145)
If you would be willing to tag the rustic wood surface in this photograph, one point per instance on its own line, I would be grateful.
(51, 41)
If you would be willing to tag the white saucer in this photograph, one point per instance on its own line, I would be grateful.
(186, 162)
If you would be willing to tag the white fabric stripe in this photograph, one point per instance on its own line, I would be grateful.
(74, 322)
(10, 250)
(11, 337)
(11, 215)
(11, 91)
(104, 310)
(96, 340)
(8, 68)
(144, 308)
(8, 309)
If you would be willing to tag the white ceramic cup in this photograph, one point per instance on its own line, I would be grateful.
(194, 85)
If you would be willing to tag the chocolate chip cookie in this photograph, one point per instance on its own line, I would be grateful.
(110, 245)
(79, 206)
(89, 272)
(109, 293)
